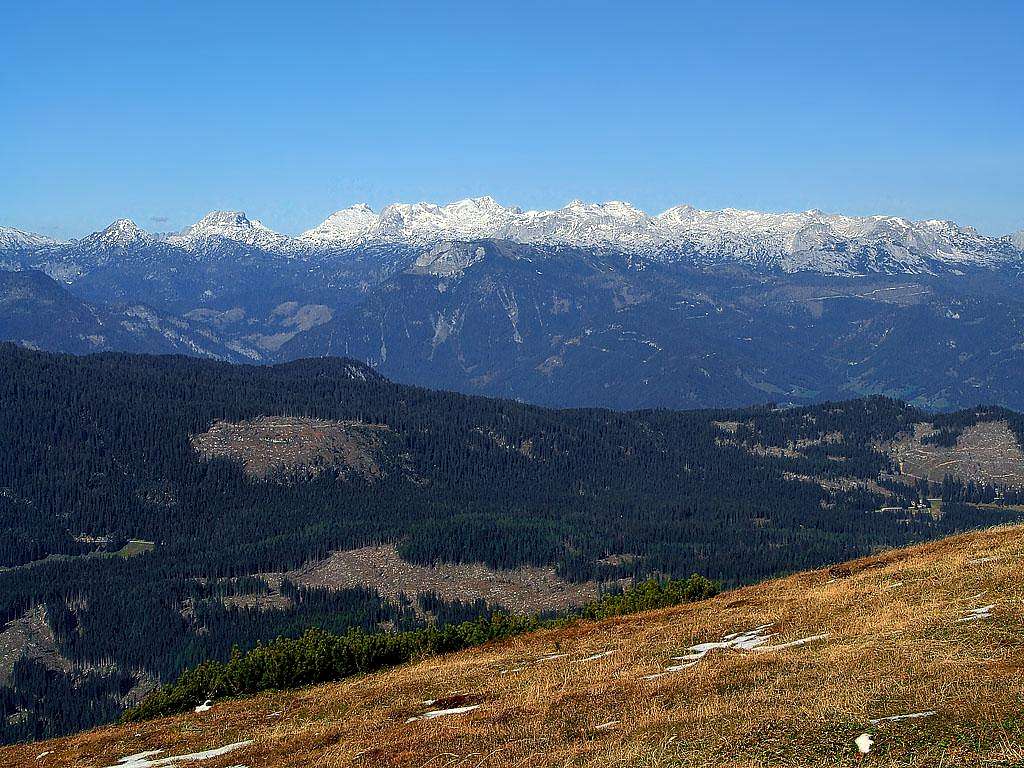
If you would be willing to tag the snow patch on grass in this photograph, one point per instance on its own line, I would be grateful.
(143, 759)
(755, 639)
(596, 656)
(978, 614)
(910, 716)
(443, 713)
(864, 743)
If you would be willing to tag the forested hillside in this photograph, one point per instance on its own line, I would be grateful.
(217, 474)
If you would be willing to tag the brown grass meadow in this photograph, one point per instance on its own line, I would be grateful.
(581, 696)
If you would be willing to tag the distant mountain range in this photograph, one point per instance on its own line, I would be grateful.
(809, 241)
(590, 304)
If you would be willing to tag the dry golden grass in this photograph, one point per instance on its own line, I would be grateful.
(894, 647)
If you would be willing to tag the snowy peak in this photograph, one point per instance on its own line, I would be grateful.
(223, 224)
(228, 225)
(12, 239)
(1017, 238)
(122, 233)
(347, 225)
(789, 242)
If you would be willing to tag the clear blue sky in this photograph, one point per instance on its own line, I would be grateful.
(289, 111)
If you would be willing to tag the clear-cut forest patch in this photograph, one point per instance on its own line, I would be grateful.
(986, 452)
(523, 590)
(273, 445)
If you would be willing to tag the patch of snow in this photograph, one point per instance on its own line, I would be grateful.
(143, 759)
(864, 743)
(751, 640)
(745, 641)
(606, 726)
(977, 614)
(911, 716)
(140, 756)
(793, 643)
(206, 706)
(444, 712)
(596, 656)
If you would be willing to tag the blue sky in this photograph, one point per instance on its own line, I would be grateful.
(289, 111)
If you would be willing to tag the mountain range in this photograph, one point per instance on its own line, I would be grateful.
(590, 304)
(809, 241)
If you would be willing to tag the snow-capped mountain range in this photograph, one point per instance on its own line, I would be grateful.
(12, 239)
(811, 240)
(789, 242)
(591, 304)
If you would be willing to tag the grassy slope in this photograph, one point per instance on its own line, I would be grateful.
(894, 647)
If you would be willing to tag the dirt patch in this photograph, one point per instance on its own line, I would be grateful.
(271, 445)
(525, 590)
(987, 452)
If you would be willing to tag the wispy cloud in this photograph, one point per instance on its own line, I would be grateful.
(159, 219)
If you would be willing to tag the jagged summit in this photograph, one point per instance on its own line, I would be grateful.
(120, 233)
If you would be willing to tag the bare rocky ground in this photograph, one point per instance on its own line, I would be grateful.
(31, 637)
(987, 452)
